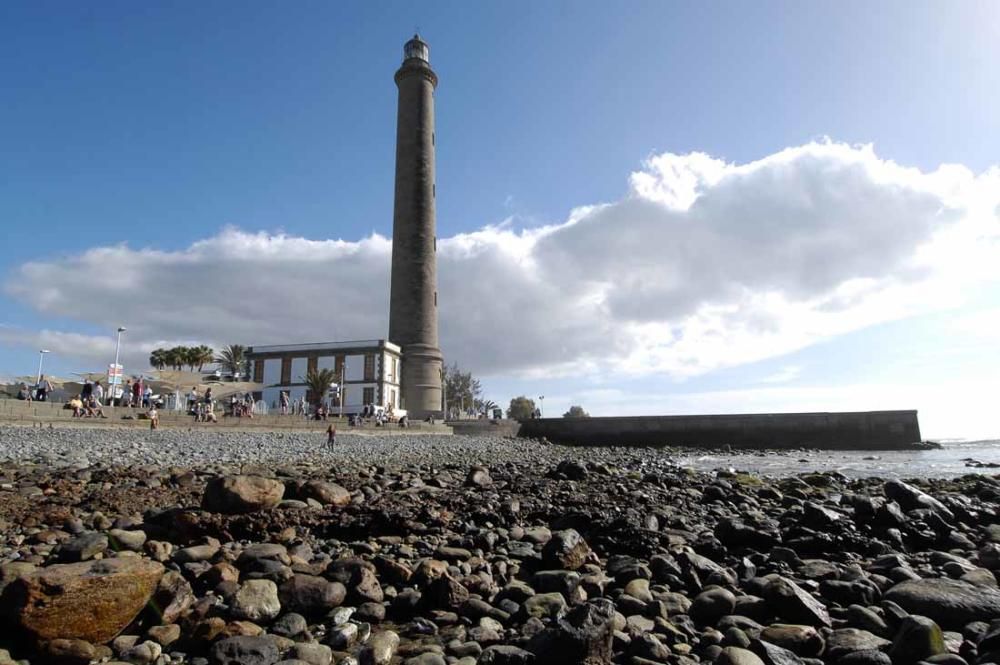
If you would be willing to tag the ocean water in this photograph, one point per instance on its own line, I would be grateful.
(948, 462)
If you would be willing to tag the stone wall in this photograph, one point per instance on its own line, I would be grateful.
(867, 430)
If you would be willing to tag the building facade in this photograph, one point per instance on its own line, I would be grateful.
(371, 372)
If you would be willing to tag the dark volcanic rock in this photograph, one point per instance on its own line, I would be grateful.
(566, 549)
(582, 636)
(794, 604)
(245, 650)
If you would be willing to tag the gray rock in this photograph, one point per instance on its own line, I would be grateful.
(918, 638)
(505, 655)
(738, 656)
(257, 601)
(242, 494)
(582, 635)
(245, 651)
(950, 603)
(846, 640)
(712, 604)
(313, 654)
(792, 603)
(311, 595)
(380, 649)
(84, 547)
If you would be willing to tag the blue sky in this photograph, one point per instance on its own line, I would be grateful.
(160, 125)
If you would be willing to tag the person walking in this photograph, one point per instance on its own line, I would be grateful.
(331, 436)
(284, 403)
(42, 389)
(98, 392)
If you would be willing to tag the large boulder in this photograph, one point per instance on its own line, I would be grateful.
(582, 636)
(910, 498)
(918, 639)
(91, 600)
(311, 595)
(566, 550)
(242, 494)
(256, 600)
(950, 603)
(792, 603)
(380, 649)
(329, 494)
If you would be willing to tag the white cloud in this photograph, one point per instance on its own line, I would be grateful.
(703, 264)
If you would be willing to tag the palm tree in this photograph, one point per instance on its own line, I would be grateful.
(318, 382)
(191, 357)
(204, 355)
(175, 357)
(486, 407)
(158, 358)
(233, 359)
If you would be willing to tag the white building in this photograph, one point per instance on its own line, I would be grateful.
(370, 370)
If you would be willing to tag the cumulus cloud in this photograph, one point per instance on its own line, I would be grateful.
(702, 264)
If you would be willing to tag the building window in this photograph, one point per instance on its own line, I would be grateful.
(339, 366)
(368, 396)
(311, 364)
(286, 371)
(370, 367)
(392, 397)
(258, 371)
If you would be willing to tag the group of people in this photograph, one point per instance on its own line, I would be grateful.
(138, 394)
(289, 408)
(201, 407)
(40, 392)
(89, 407)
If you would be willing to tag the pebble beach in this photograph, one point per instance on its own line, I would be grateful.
(213, 547)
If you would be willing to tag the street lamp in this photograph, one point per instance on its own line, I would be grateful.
(541, 406)
(116, 376)
(41, 355)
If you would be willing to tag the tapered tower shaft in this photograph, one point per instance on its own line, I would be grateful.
(413, 316)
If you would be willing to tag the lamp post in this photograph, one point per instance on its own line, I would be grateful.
(541, 406)
(343, 388)
(116, 377)
(41, 355)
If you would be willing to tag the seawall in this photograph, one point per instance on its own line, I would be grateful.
(861, 430)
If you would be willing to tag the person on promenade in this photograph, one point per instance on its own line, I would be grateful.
(137, 393)
(208, 415)
(127, 394)
(192, 399)
(94, 409)
(99, 392)
(147, 396)
(154, 418)
(331, 436)
(88, 390)
(42, 389)
(284, 403)
(24, 393)
(76, 404)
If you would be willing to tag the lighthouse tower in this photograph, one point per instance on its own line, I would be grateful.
(413, 315)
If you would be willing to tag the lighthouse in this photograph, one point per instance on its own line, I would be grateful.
(413, 299)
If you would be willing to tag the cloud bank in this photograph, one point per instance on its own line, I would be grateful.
(702, 264)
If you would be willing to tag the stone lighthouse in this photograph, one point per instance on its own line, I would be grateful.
(413, 315)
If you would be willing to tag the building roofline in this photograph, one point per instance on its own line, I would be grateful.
(324, 346)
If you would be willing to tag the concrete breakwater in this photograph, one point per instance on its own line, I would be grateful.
(860, 430)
